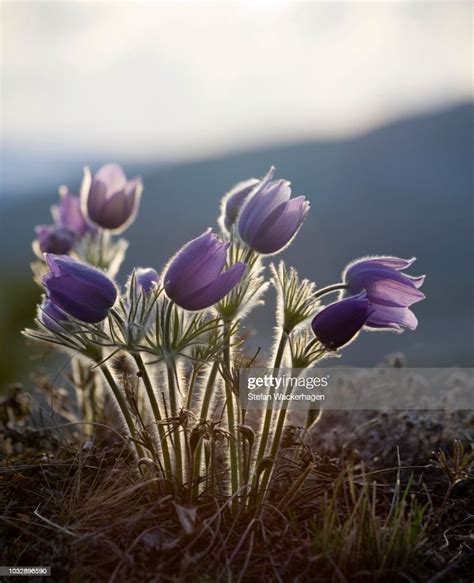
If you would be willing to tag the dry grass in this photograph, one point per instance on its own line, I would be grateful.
(90, 517)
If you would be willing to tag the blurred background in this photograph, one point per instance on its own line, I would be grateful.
(366, 107)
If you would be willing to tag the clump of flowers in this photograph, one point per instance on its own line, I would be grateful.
(178, 330)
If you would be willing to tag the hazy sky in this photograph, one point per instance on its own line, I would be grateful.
(179, 79)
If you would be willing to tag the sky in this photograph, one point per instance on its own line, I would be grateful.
(177, 80)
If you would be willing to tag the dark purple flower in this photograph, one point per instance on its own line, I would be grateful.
(109, 199)
(54, 239)
(233, 201)
(51, 316)
(80, 290)
(337, 324)
(270, 218)
(147, 278)
(194, 280)
(68, 214)
(390, 292)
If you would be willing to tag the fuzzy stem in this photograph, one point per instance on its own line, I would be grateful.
(330, 289)
(210, 386)
(208, 391)
(156, 412)
(121, 402)
(172, 389)
(269, 412)
(275, 445)
(233, 442)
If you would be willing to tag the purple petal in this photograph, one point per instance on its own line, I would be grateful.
(214, 291)
(147, 278)
(385, 285)
(77, 300)
(112, 176)
(80, 290)
(257, 209)
(337, 324)
(394, 318)
(197, 264)
(393, 262)
(279, 228)
(115, 210)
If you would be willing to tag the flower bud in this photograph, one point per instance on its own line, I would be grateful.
(389, 291)
(194, 280)
(110, 200)
(270, 219)
(147, 278)
(54, 239)
(78, 289)
(337, 324)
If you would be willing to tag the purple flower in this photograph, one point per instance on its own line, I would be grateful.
(54, 239)
(51, 316)
(390, 292)
(233, 201)
(68, 214)
(270, 219)
(109, 199)
(78, 289)
(194, 280)
(337, 324)
(147, 278)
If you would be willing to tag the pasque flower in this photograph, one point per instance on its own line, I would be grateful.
(194, 279)
(390, 292)
(55, 239)
(270, 218)
(233, 201)
(108, 199)
(147, 278)
(78, 289)
(68, 214)
(337, 324)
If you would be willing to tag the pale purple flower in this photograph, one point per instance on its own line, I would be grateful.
(337, 324)
(110, 200)
(68, 214)
(233, 201)
(55, 239)
(194, 278)
(78, 289)
(270, 219)
(390, 292)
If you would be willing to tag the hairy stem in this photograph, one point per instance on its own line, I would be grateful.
(156, 413)
(172, 388)
(269, 412)
(233, 441)
(121, 402)
(330, 289)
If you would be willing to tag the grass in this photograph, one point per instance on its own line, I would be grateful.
(85, 512)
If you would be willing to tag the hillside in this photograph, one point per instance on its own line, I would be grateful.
(405, 189)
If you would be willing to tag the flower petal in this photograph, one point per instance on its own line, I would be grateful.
(214, 291)
(389, 317)
(197, 264)
(112, 176)
(385, 285)
(279, 228)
